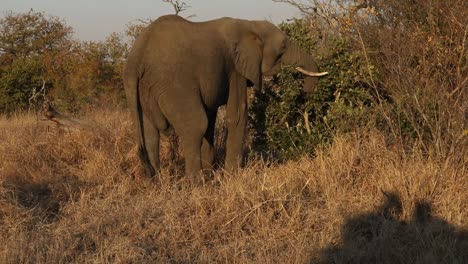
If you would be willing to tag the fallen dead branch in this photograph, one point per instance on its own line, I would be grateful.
(62, 120)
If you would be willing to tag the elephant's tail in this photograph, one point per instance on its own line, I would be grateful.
(133, 96)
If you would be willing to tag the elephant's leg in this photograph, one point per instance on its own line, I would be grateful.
(191, 140)
(235, 144)
(207, 151)
(236, 113)
(151, 140)
(188, 117)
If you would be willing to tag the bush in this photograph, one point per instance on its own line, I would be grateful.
(37, 48)
(26, 40)
(17, 81)
(288, 123)
(397, 66)
(423, 67)
(91, 75)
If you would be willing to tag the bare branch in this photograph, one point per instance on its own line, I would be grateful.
(177, 5)
(144, 22)
(36, 94)
(306, 9)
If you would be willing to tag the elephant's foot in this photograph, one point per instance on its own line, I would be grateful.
(232, 165)
(197, 179)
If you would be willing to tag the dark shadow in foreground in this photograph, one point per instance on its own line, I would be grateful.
(382, 237)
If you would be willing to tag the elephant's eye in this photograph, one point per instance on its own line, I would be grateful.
(278, 57)
(283, 46)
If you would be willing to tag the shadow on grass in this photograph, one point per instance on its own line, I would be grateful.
(42, 199)
(381, 237)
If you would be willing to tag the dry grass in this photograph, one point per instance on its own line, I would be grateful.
(77, 197)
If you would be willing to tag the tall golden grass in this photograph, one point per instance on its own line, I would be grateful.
(78, 197)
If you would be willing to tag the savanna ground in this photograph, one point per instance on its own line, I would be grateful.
(373, 163)
(79, 197)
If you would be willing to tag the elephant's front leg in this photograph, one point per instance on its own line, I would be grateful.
(236, 113)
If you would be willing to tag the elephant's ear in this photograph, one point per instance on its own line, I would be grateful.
(249, 55)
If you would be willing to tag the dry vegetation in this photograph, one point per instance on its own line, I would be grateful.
(391, 187)
(78, 197)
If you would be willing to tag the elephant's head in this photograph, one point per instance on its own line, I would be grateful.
(261, 49)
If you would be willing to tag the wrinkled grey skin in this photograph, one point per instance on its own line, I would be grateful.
(179, 72)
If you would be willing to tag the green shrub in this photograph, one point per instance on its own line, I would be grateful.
(288, 123)
(17, 81)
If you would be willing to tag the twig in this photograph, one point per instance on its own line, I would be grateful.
(34, 94)
(178, 6)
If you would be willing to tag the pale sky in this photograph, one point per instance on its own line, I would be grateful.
(96, 19)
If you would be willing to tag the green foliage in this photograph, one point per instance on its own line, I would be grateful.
(31, 34)
(28, 41)
(351, 80)
(289, 123)
(17, 80)
(299, 31)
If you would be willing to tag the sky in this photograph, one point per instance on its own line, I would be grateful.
(96, 19)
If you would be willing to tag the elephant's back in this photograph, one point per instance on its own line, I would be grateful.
(167, 36)
(170, 29)
(172, 47)
(173, 41)
(162, 30)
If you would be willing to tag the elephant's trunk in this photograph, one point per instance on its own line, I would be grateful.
(304, 63)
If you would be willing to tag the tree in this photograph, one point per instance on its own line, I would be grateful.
(26, 39)
(178, 6)
(31, 34)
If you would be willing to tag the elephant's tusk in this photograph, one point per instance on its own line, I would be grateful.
(311, 74)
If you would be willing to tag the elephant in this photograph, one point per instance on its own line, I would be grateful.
(179, 73)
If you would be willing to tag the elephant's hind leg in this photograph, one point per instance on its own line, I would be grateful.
(192, 140)
(188, 117)
(151, 137)
(207, 151)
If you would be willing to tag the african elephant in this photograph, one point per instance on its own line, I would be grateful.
(179, 72)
